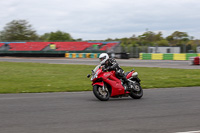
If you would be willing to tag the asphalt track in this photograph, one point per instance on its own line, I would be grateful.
(169, 110)
(122, 62)
(159, 111)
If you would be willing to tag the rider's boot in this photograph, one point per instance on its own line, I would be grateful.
(129, 85)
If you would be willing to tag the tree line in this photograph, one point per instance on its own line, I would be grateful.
(180, 39)
(21, 30)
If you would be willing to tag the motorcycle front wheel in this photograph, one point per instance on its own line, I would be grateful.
(100, 93)
(137, 93)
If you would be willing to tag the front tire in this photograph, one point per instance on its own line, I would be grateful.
(136, 93)
(102, 95)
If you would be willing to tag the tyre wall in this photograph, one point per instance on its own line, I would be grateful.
(159, 56)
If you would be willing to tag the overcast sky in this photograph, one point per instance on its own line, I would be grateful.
(102, 19)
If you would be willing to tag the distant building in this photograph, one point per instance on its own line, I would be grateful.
(164, 49)
(198, 49)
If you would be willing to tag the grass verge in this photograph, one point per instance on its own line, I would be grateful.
(37, 77)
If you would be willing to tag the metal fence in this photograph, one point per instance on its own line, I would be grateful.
(135, 51)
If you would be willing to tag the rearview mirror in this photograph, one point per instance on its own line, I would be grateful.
(88, 75)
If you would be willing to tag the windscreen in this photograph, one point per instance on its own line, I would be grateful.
(95, 69)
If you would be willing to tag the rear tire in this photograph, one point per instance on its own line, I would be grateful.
(102, 95)
(136, 94)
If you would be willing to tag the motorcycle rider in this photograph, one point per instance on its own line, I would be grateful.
(110, 64)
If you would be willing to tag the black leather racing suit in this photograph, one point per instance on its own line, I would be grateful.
(111, 64)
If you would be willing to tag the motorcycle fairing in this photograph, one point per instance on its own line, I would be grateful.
(98, 83)
(115, 83)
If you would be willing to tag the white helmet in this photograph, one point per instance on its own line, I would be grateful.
(103, 58)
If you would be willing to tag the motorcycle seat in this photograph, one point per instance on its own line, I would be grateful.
(127, 73)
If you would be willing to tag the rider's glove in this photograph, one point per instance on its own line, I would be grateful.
(104, 69)
(109, 68)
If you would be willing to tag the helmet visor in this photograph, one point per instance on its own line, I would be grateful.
(101, 59)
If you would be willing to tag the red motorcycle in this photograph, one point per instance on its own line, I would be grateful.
(106, 84)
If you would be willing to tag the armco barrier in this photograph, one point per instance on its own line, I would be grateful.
(159, 56)
(190, 55)
(179, 57)
(141, 56)
(88, 55)
(82, 55)
(168, 56)
(146, 56)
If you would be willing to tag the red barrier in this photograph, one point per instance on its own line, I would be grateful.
(196, 61)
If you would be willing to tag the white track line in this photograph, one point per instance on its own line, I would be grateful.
(190, 132)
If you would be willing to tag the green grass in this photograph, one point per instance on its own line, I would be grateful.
(36, 77)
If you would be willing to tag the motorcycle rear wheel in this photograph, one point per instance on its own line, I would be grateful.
(136, 94)
(102, 95)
